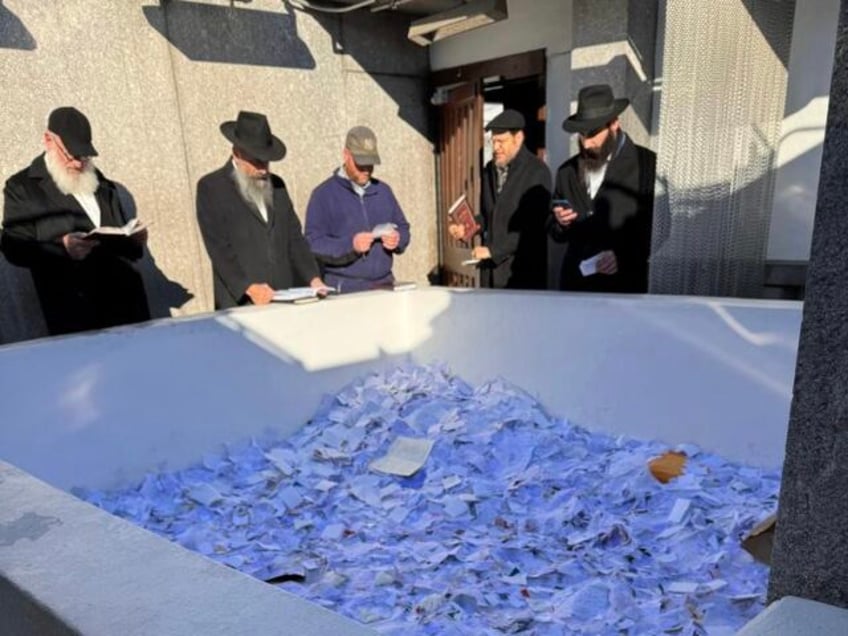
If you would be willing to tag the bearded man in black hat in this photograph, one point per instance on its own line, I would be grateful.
(515, 199)
(49, 209)
(249, 226)
(603, 203)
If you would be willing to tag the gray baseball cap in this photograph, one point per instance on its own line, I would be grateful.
(361, 142)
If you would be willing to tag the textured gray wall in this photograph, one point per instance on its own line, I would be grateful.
(810, 556)
(614, 44)
(156, 80)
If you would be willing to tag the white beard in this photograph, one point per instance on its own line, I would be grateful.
(255, 191)
(71, 182)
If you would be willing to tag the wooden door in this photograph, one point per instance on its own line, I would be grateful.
(460, 154)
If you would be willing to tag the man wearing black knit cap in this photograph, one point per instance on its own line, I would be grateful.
(514, 205)
(49, 209)
(602, 209)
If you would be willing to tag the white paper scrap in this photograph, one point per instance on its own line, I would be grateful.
(590, 265)
(383, 229)
(681, 507)
(405, 457)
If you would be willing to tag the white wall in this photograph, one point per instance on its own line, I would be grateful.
(800, 151)
(100, 410)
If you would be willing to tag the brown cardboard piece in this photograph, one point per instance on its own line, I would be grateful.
(759, 541)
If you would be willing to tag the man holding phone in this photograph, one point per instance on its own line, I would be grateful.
(602, 209)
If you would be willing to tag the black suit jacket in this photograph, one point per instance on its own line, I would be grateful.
(243, 248)
(102, 290)
(619, 218)
(514, 223)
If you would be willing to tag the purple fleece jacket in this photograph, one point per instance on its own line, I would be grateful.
(334, 214)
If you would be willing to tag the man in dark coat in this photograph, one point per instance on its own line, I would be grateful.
(248, 223)
(515, 202)
(603, 202)
(49, 208)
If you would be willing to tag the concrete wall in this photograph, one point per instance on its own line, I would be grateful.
(157, 79)
(101, 410)
(800, 151)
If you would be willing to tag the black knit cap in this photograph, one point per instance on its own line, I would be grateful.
(508, 120)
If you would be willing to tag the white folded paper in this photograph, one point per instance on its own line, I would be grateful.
(383, 229)
(405, 456)
(590, 265)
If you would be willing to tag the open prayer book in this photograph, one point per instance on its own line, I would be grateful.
(133, 226)
(300, 294)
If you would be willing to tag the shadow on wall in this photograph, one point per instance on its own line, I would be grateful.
(163, 294)
(375, 46)
(13, 33)
(231, 35)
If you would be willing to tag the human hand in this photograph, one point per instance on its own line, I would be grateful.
(607, 263)
(320, 285)
(457, 231)
(77, 246)
(564, 216)
(362, 242)
(481, 253)
(260, 293)
(391, 240)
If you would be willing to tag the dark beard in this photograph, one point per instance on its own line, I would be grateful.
(593, 159)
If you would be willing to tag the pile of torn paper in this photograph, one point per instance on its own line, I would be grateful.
(517, 522)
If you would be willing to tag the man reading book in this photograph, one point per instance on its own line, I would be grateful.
(50, 207)
(247, 219)
(516, 194)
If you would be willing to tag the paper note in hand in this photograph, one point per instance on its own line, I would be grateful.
(383, 229)
(460, 213)
(405, 457)
(133, 226)
(471, 261)
(590, 265)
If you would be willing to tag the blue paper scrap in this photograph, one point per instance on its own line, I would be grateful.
(518, 522)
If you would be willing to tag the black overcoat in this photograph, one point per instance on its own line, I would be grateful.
(103, 289)
(514, 223)
(243, 248)
(619, 218)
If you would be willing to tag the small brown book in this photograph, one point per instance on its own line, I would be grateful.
(460, 213)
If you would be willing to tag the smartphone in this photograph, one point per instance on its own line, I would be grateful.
(560, 202)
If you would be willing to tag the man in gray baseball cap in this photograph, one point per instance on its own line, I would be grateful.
(354, 224)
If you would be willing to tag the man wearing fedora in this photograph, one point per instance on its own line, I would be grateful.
(603, 202)
(249, 226)
(49, 209)
(354, 223)
(515, 201)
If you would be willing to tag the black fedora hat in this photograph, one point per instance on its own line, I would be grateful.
(252, 133)
(596, 107)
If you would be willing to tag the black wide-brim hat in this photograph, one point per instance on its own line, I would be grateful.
(251, 133)
(596, 107)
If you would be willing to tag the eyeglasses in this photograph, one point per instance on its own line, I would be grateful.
(68, 157)
(594, 133)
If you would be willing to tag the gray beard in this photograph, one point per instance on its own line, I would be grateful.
(254, 191)
(69, 182)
